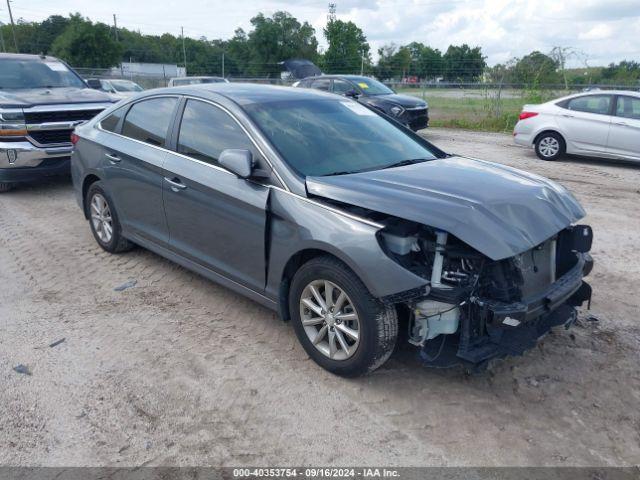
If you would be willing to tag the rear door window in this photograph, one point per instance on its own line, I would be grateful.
(599, 104)
(148, 121)
(628, 107)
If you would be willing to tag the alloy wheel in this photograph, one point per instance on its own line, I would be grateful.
(101, 218)
(549, 146)
(330, 319)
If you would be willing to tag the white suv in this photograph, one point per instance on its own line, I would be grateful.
(598, 124)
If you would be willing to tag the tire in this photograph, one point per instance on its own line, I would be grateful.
(5, 187)
(115, 242)
(376, 324)
(550, 146)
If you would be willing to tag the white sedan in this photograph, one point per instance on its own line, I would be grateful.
(597, 124)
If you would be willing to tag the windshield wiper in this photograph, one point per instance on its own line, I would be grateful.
(403, 163)
(346, 172)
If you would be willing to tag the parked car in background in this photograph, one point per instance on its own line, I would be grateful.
(599, 123)
(41, 101)
(117, 88)
(299, 200)
(408, 110)
(181, 81)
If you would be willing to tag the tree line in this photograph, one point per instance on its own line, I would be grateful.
(270, 40)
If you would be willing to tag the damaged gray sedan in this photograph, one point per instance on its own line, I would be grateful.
(351, 226)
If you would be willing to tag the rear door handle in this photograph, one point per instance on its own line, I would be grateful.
(175, 183)
(113, 158)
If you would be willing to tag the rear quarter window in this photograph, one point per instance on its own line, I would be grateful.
(148, 120)
(110, 123)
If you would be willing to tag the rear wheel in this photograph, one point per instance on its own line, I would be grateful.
(5, 187)
(549, 146)
(103, 220)
(342, 327)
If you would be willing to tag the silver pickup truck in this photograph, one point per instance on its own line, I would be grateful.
(41, 101)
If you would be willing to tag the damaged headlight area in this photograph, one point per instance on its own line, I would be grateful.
(475, 309)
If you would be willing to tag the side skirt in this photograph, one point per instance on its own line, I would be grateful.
(205, 272)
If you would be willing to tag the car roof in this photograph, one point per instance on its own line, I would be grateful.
(631, 93)
(28, 57)
(335, 75)
(196, 77)
(247, 93)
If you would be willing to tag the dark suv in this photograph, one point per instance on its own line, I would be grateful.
(408, 110)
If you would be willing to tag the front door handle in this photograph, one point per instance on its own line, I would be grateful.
(175, 183)
(621, 124)
(566, 115)
(113, 158)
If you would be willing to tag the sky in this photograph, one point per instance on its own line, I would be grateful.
(603, 31)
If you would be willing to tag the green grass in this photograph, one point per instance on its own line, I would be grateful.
(477, 109)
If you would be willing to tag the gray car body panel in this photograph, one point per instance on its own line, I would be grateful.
(273, 223)
(499, 211)
(299, 224)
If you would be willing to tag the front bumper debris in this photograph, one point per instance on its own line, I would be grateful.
(511, 329)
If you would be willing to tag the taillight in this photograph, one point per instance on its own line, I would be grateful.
(74, 138)
(525, 115)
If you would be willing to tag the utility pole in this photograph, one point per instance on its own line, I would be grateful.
(362, 64)
(13, 26)
(115, 26)
(184, 51)
(223, 64)
(4, 49)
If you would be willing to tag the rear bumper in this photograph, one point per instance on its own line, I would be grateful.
(24, 162)
(522, 139)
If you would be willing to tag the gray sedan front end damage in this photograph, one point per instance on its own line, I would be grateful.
(499, 251)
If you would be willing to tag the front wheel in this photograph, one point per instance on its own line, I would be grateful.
(342, 327)
(549, 146)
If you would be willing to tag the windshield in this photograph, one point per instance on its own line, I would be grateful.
(125, 86)
(328, 137)
(22, 74)
(370, 86)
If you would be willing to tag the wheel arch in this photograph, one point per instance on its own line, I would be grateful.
(291, 267)
(550, 130)
(88, 180)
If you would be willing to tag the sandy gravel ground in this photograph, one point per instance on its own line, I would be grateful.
(180, 371)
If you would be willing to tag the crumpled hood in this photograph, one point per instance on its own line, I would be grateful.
(498, 210)
(41, 96)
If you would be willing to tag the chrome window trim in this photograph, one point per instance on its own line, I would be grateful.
(255, 144)
(215, 167)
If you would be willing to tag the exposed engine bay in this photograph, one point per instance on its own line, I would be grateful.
(475, 308)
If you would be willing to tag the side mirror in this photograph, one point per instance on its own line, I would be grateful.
(239, 162)
(352, 94)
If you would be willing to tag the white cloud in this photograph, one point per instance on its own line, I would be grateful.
(601, 31)
(606, 30)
